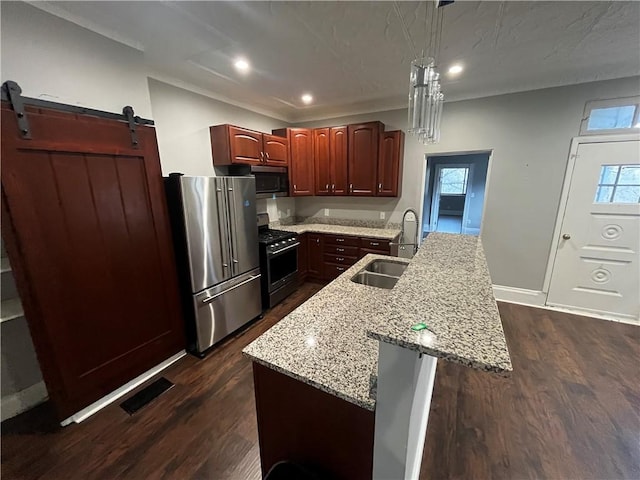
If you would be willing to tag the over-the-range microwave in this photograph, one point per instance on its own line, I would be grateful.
(270, 181)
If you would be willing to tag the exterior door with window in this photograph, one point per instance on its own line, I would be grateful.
(597, 262)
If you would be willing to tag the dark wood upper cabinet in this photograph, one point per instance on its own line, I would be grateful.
(231, 144)
(300, 160)
(236, 145)
(339, 160)
(276, 150)
(390, 163)
(321, 160)
(363, 157)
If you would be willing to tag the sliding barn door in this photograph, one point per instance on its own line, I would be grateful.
(85, 222)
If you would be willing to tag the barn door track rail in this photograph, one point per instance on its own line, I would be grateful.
(12, 93)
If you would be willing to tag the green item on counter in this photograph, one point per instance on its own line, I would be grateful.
(418, 326)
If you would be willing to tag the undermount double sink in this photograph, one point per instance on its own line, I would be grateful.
(380, 273)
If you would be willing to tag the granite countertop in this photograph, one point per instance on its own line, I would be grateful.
(331, 341)
(382, 233)
(447, 286)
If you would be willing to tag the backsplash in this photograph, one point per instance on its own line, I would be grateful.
(348, 222)
(278, 208)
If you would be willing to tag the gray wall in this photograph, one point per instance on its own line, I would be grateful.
(182, 122)
(57, 60)
(529, 134)
(476, 185)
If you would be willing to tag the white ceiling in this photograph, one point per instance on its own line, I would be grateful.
(353, 57)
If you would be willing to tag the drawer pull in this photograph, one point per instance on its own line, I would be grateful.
(340, 269)
(340, 259)
(375, 244)
(339, 239)
(339, 249)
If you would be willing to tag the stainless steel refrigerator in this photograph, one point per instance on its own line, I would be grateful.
(215, 235)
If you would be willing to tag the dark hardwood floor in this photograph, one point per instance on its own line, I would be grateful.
(571, 410)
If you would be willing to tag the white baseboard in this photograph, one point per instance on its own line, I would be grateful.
(522, 296)
(123, 390)
(538, 299)
(23, 400)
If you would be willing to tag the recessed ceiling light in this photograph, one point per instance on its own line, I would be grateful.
(241, 65)
(455, 69)
(307, 98)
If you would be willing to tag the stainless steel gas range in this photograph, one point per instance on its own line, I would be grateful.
(278, 262)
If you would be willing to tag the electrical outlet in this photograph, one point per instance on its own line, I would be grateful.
(288, 212)
(382, 215)
(326, 212)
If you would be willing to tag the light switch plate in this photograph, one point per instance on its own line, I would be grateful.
(326, 212)
(382, 215)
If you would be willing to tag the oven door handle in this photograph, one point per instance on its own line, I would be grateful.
(289, 247)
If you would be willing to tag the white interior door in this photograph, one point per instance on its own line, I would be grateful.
(597, 264)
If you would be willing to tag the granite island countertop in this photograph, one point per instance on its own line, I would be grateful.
(369, 232)
(331, 341)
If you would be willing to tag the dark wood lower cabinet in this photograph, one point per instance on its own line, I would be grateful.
(324, 257)
(315, 243)
(303, 257)
(302, 424)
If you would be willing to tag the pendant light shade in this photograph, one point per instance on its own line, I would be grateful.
(425, 96)
(425, 100)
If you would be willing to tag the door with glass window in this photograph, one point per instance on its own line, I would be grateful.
(597, 262)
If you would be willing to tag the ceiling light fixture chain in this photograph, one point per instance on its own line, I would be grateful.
(405, 30)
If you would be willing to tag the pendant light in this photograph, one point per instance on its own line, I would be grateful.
(425, 95)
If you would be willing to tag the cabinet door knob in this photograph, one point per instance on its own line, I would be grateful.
(351, 187)
(333, 187)
(327, 187)
(379, 187)
(295, 187)
(566, 236)
(267, 155)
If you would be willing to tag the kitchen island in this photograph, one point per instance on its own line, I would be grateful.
(343, 382)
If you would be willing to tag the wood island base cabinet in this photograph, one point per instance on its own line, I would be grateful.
(302, 424)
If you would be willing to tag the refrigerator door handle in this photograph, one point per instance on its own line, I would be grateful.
(213, 297)
(233, 243)
(223, 214)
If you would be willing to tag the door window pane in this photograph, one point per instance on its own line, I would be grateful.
(627, 194)
(618, 184)
(608, 174)
(629, 175)
(604, 193)
(611, 117)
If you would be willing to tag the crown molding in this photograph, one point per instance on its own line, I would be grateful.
(53, 9)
